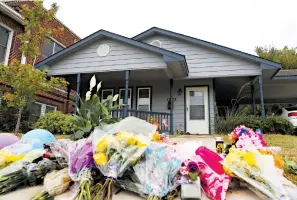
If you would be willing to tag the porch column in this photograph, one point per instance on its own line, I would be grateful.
(171, 108)
(126, 94)
(67, 99)
(253, 98)
(261, 96)
(77, 92)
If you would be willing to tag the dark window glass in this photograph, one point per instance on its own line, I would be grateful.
(106, 93)
(47, 49)
(49, 109)
(144, 93)
(4, 34)
(122, 94)
(197, 110)
(35, 109)
(58, 47)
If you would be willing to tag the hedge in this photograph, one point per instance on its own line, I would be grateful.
(272, 124)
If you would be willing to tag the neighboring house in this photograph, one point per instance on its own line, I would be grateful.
(10, 27)
(169, 75)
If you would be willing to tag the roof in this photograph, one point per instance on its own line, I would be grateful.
(18, 3)
(7, 10)
(167, 55)
(286, 74)
(156, 30)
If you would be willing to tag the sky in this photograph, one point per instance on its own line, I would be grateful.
(239, 24)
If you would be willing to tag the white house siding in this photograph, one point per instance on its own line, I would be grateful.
(121, 57)
(160, 93)
(207, 63)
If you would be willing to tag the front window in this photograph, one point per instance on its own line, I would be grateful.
(4, 43)
(122, 97)
(144, 99)
(38, 109)
(50, 47)
(106, 93)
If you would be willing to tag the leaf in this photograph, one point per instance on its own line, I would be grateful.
(79, 134)
(92, 82)
(193, 176)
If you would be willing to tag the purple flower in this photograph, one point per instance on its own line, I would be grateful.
(192, 167)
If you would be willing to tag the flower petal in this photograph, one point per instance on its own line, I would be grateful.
(88, 95)
(115, 97)
(99, 86)
(92, 82)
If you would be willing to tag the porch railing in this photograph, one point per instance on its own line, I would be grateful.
(162, 118)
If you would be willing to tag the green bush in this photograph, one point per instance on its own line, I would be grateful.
(8, 119)
(277, 124)
(57, 123)
(272, 124)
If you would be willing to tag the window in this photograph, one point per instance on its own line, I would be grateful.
(144, 98)
(38, 109)
(50, 47)
(5, 42)
(197, 110)
(106, 93)
(122, 97)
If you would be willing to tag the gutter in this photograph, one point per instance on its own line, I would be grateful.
(11, 12)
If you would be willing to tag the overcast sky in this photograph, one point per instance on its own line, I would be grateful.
(239, 24)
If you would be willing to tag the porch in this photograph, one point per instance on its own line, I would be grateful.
(145, 94)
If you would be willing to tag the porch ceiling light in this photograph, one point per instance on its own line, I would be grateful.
(103, 50)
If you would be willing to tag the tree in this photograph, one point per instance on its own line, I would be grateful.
(286, 56)
(36, 20)
(25, 81)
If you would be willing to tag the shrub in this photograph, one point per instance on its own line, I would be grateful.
(57, 123)
(277, 124)
(272, 124)
(226, 125)
(8, 118)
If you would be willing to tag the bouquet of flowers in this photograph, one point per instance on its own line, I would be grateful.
(257, 170)
(55, 183)
(119, 146)
(244, 137)
(213, 179)
(189, 168)
(156, 172)
(81, 164)
(28, 174)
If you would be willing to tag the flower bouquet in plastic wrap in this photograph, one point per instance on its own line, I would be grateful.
(26, 172)
(119, 146)
(55, 183)
(82, 167)
(214, 180)
(257, 170)
(154, 176)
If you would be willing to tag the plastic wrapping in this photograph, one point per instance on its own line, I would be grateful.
(258, 171)
(57, 182)
(214, 181)
(80, 157)
(120, 145)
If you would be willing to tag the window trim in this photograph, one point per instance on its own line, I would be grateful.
(106, 89)
(9, 42)
(151, 95)
(131, 93)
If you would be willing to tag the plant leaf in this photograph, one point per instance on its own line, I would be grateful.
(193, 176)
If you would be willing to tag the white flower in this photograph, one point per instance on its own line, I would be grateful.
(92, 82)
(88, 95)
(99, 86)
(115, 97)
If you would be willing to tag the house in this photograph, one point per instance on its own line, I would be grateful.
(10, 27)
(171, 76)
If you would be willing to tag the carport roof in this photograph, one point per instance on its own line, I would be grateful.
(286, 74)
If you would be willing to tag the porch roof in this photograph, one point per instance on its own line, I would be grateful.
(168, 56)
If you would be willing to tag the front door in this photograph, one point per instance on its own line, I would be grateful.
(197, 111)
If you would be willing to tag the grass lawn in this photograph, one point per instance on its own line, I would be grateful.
(288, 144)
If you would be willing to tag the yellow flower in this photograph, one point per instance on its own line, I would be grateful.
(156, 137)
(250, 158)
(102, 145)
(100, 159)
(131, 141)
